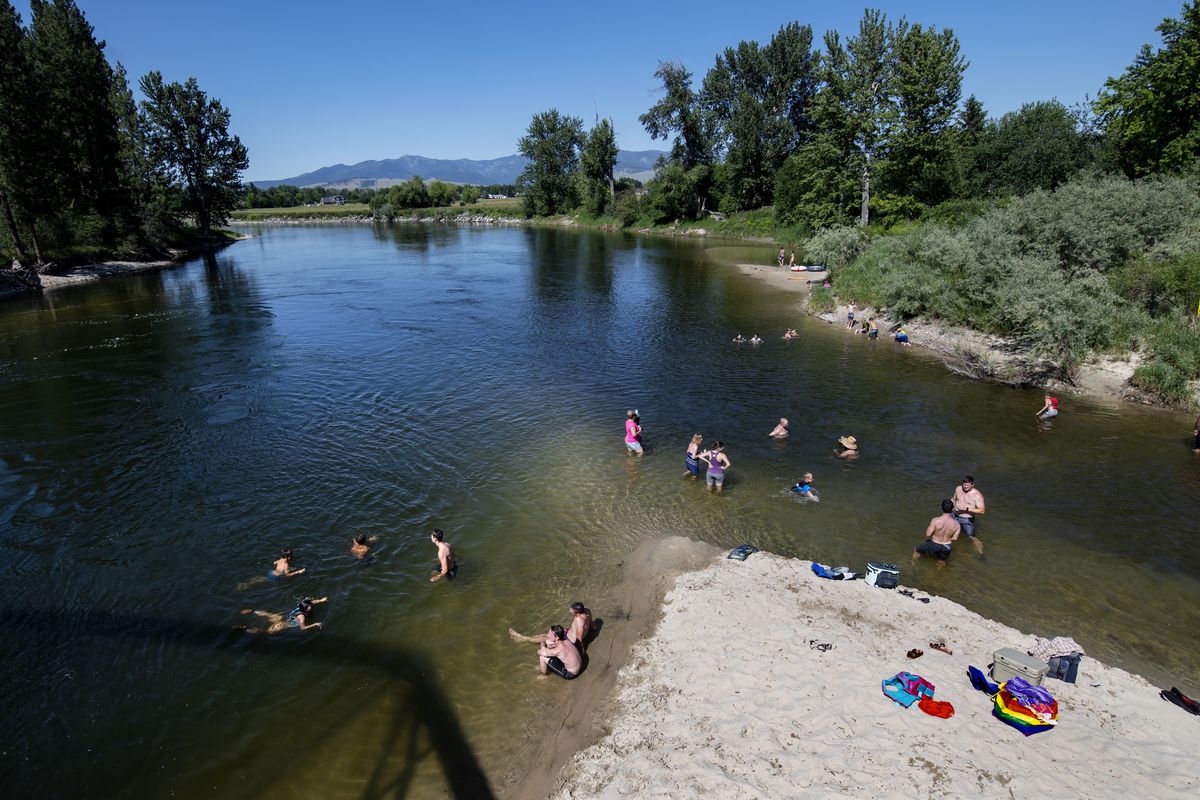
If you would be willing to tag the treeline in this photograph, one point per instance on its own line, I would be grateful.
(87, 171)
(414, 193)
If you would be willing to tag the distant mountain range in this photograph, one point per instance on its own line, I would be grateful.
(637, 164)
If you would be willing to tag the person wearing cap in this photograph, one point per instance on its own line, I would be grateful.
(968, 504)
(780, 431)
(558, 655)
(445, 556)
(581, 625)
(847, 447)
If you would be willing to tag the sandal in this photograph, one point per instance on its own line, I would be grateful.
(915, 653)
(940, 644)
(823, 647)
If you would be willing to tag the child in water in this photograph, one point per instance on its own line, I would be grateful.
(804, 487)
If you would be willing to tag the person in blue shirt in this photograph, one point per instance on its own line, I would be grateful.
(804, 487)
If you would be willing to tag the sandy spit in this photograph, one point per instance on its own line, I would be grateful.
(728, 699)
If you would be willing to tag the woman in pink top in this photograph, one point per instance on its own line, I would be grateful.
(633, 433)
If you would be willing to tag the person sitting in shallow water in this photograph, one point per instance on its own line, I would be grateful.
(804, 487)
(902, 338)
(558, 655)
(297, 618)
(780, 431)
(281, 569)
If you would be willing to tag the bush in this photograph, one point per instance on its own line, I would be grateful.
(821, 300)
(1161, 380)
(837, 246)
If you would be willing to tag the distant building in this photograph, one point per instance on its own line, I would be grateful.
(333, 200)
(497, 197)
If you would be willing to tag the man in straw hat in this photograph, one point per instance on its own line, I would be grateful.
(847, 447)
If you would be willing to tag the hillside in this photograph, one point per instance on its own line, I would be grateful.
(637, 164)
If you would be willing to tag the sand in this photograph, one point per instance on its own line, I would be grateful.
(727, 699)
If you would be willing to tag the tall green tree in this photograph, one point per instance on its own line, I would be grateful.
(551, 145)
(1152, 111)
(597, 161)
(1037, 147)
(188, 134)
(928, 86)
(870, 72)
(677, 117)
(81, 147)
(14, 106)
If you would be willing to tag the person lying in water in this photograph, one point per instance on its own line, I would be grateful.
(581, 627)
(297, 618)
(361, 544)
(280, 570)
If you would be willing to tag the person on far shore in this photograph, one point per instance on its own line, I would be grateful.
(968, 504)
(581, 625)
(296, 618)
(558, 655)
(361, 544)
(792, 260)
(780, 431)
(850, 317)
(1196, 436)
(940, 536)
(1049, 409)
(449, 568)
(902, 337)
(717, 463)
(873, 329)
(780, 257)
(847, 447)
(633, 434)
(691, 458)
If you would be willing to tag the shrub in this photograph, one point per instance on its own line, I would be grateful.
(1161, 380)
(837, 246)
(821, 300)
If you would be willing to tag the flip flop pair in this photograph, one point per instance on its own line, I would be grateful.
(1180, 699)
(915, 653)
(824, 647)
(940, 644)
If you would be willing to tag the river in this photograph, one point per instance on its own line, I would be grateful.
(162, 436)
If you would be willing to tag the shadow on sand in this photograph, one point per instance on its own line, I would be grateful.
(422, 706)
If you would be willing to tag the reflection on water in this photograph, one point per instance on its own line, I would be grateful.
(164, 435)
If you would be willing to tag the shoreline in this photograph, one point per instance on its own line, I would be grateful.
(982, 356)
(727, 697)
(91, 273)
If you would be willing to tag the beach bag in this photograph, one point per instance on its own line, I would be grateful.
(1065, 668)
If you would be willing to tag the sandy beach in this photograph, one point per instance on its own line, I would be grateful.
(730, 697)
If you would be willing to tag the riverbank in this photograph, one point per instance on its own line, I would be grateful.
(731, 697)
(14, 282)
(971, 353)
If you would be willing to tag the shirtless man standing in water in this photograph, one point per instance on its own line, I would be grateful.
(968, 504)
(941, 534)
(445, 555)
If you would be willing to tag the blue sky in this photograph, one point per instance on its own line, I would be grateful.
(317, 83)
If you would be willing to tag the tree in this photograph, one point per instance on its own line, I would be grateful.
(551, 146)
(188, 134)
(927, 85)
(1152, 111)
(678, 113)
(1037, 147)
(14, 142)
(597, 161)
(869, 65)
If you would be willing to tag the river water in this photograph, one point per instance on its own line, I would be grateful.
(162, 436)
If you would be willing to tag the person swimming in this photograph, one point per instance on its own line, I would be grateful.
(780, 431)
(282, 568)
(804, 487)
(296, 618)
(449, 568)
(361, 544)
(739, 338)
(756, 339)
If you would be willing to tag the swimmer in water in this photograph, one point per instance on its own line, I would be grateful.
(297, 618)
(361, 544)
(739, 338)
(445, 556)
(804, 487)
(780, 431)
(280, 570)
(756, 339)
